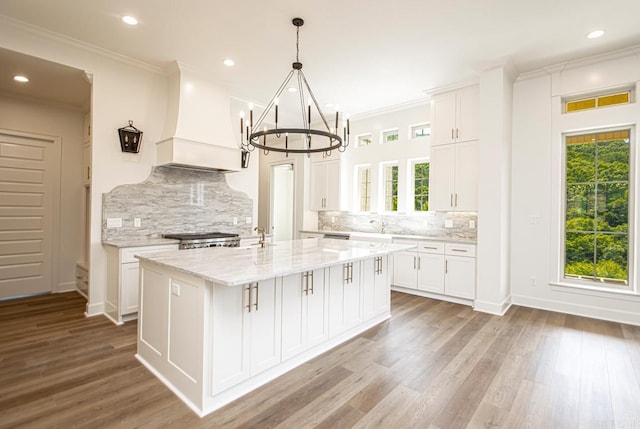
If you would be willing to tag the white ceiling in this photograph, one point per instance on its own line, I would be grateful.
(360, 54)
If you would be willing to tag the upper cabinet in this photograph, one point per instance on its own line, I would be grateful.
(86, 150)
(325, 185)
(454, 116)
(453, 177)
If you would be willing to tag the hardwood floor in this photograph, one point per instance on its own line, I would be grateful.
(434, 365)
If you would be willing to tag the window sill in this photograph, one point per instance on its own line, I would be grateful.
(626, 294)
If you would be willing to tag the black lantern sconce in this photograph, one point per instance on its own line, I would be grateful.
(130, 138)
(245, 158)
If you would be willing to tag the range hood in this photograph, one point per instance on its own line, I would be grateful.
(197, 130)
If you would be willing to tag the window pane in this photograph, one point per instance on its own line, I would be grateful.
(391, 188)
(597, 207)
(364, 180)
(421, 186)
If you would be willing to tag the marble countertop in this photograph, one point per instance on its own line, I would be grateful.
(140, 243)
(396, 236)
(233, 266)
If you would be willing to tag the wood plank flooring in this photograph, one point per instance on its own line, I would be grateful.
(434, 365)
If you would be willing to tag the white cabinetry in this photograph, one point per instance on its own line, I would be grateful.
(122, 280)
(304, 312)
(453, 177)
(455, 116)
(325, 185)
(246, 331)
(311, 234)
(445, 269)
(345, 309)
(375, 286)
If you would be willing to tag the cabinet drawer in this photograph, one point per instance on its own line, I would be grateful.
(431, 247)
(128, 254)
(460, 249)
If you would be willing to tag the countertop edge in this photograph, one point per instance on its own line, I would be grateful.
(393, 236)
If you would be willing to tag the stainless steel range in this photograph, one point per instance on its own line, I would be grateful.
(205, 239)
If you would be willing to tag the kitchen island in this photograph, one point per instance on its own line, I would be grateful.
(217, 323)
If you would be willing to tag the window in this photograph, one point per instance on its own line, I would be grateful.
(596, 234)
(390, 136)
(421, 186)
(363, 140)
(390, 187)
(594, 102)
(364, 188)
(421, 130)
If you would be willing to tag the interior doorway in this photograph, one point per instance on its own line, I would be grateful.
(281, 217)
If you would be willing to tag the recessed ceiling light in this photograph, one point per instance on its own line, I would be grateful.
(228, 62)
(292, 89)
(129, 20)
(595, 34)
(22, 79)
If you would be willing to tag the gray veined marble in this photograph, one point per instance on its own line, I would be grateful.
(176, 200)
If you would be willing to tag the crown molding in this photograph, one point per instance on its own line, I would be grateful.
(44, 102)
(423, 101)
(78, 44)
(580, 62)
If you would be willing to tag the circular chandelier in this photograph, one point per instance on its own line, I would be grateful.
(277, 139)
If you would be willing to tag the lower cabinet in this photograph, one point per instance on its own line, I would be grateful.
(253, 310)
(376, 297)
(304, 312)
(345, 289)
(123, 282)
(447, 269)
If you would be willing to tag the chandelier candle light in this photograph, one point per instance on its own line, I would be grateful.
(252, 137)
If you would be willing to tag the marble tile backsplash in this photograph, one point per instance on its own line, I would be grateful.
(176, 200)
(431, 224)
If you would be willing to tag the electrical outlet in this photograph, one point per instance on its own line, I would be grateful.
(235, 220)
(533, 280)
(114, 222)
(333, 219)
(136, 222)
(472, 224)
(175, 289)
(248, 220)
(448, 223)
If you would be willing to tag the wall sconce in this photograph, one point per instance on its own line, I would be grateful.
(245, 158)
(130, 138)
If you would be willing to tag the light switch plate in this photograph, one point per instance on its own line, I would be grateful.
(235, 220)
(448, 223)
(472, 224)
(136, 222)
(114, 222)
(248, 220)
(175, 289)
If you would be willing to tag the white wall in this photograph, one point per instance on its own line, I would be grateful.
(537, 183)
(401, 151)
(123, 90)
(66, 123)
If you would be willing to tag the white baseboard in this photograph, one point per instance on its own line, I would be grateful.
(94, 309)
(65, 287)
(499, 309)
(619, 316)
(433, 295)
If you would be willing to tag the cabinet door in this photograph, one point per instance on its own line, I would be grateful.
(318, 185)
(293, 315)
(443, 118)
(265, 326)
(431, 272)
(405, 265)
(230, 336)
(382, 291)
(460, 277)
(466, 177)
(86, 164)
(467, 111)
(368, 287)
(441, 177)
(332, 192)
(130, 288)
(352, 296)
(317, 317)
(336, 299)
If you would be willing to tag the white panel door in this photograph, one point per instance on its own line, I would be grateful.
(404, 269)
(266, 319)
(332, 198)
(293, 313)
(460, 277)
(431, 272)
(466, 176)
(442, 177)
(26, 214)
(443, 118)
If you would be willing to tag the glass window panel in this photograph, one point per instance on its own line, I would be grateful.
(573, 106)
(613, 207)
(608, 100)
(613, 160)
(580, 162)
(611, 256)
(581, 202)
(391, 188)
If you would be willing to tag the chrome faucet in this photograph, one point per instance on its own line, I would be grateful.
(262, 232)
(382, 225)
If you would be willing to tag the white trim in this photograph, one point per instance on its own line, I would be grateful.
(69, 41)
(432, 295)
(96, 309)
(66, 287)
(498, 309)
(423, 101)
(357, 145)
(389, 131)
(618, 316)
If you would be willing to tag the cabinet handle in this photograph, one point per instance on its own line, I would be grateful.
(456, 199)
(446, 266)
(348, 272)
(451, 200)
(257, 296)
(429, 247)
(88, 172)
(457, 133)
(305, 283)
(451, 133)
(310, 274)
(250, 303)
(459, 250)
(414, 262)
(418, 262)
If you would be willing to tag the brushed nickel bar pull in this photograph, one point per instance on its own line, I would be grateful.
(459, 250)
(257, 296)
(249, 287)
(451, 133)
(305, 283)
(446, 266)
(456, 199)
(430, 247)
(310, 274)
(418, 262)
(451, 200)
(457, 133)
(414, 262)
